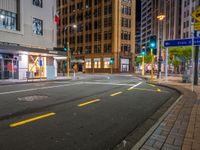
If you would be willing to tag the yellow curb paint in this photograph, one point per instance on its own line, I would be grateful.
(31, 120)
(114, 94)
(89, 102)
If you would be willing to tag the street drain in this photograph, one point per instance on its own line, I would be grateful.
(32, 98)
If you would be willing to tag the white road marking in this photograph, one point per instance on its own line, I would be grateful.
(135, 86)
(100, 83)
(35, 89)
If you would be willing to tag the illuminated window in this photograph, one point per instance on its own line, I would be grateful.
(88, 64)
(97, 64)
(106, 64)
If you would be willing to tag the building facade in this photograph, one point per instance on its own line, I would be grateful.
(105, 30)
(188, 6)
(27, 38)
(168, 28)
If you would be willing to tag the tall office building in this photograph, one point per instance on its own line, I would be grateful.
(169, 28)
(27, 39)
(188, 6)
(105, 30)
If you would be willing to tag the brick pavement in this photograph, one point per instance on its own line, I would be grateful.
(180, 128)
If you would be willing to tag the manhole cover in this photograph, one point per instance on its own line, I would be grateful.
(32, 98)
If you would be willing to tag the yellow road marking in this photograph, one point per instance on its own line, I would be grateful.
(151, 85)
(89, 102)
(114, 94)
(31, 120)
(131, 88)
(158, 90)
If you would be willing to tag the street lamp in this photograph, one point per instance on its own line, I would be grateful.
(160, 18)
(68, 49)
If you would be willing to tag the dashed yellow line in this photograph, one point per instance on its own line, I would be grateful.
(31, 119)
(114, 94)
(151, 85)
(158, 90)
(89, 102)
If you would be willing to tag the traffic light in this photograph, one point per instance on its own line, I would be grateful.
(65, 47)
(153, 42)
(143, 52)
(111, 61)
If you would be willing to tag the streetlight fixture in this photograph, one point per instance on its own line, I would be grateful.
(68, 48)
(160, 18)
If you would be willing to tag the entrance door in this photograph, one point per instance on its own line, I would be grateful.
(8, 69)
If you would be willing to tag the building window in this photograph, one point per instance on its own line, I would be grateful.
(107, 35)
(107, 48)
(106, 63)
(7, 20)
(88, 50)
(37, 26)
(88, 64)
(97, 63)
(37, 3)
(97, 48)
(125, 35)
(126, 22)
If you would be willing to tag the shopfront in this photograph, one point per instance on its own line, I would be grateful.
(125, 65)
(37, 66)
(9, 66)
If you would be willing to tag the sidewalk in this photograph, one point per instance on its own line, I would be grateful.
(179, 127)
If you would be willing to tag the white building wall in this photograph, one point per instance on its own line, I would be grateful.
(25, 36)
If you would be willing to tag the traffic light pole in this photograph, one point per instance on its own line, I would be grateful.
(152, 64)
(166, 65)
(68, 60)
(143, 65)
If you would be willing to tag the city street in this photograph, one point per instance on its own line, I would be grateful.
(95, 112)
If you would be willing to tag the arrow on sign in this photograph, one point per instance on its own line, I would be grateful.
(196, 14)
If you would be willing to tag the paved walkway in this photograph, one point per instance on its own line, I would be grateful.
(179, 128)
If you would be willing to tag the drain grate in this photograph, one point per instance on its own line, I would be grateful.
(33, 98)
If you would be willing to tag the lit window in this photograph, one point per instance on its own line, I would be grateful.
(37, 26)
(106, 64)
(88, 64)
(97, 64)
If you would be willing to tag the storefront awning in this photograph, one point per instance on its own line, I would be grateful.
(16, 49)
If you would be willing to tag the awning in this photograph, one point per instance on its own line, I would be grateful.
(16, 49)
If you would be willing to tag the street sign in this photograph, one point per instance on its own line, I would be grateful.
(181, 42)
(196, 33)
(196, 14)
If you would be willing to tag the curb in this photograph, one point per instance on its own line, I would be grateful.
(141, 142)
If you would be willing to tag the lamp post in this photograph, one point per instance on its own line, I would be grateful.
(160, 18)
(68, 48)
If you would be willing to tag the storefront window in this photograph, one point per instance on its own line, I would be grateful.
(97, 64)
(88, 64)
(107, 64)
(7, 20)
(37, 66)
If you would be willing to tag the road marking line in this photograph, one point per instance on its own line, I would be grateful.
(34, 89)
(89, 102)
(131, 88)
(151, 85)
(114, 94)
(158, 90)
(31, 119)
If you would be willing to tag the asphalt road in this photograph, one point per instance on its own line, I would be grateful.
(95, 112)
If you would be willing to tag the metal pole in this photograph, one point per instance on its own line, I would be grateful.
(68, 60)
(192, 57)
(152, 64)
(40, 68)
(166, 65)
(143, 65)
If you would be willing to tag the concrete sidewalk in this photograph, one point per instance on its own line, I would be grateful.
(179, 127)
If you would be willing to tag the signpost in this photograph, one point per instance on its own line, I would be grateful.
(181, 42)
